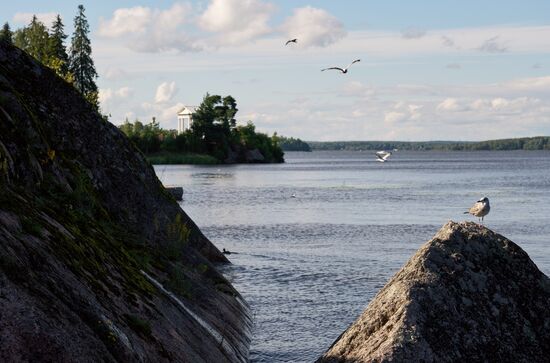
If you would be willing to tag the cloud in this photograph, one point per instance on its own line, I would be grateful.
(394, 117)
(492, 45)
(357, 89)
(124, 92)
(25, 18)
(313, 27)
(108, 96)
(502, 105)
(114, 74)
(453, 66)
(148, 30)
(447, 41)
(412, 33)
(165, 92)
(236, 21)
(126, 21)
(536, 66)
(449, 104)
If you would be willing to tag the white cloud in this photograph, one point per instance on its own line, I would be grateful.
(236, 21)
(412, 33)
(493, 45)
(453, 66)
(447, 41)
(126, 21)
(149, 30)
(449, 104)
(393, 117)
(124, 92)
(314, 27)
(107, 95)
(113, 74)
(165, 92)
(25, 18)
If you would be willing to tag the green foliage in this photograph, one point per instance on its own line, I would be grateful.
(35, 40)
(49, 49)
(213, 133)
(292, 144)
(81, 64)
(140, 326)
(177, 238)
(57, 48)
(146, 137)
(175, 158)
(6, 34)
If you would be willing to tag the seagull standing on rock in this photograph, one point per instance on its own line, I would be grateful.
(343, 70)
(480, 209)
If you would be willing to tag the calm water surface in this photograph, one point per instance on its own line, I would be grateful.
(318, 236)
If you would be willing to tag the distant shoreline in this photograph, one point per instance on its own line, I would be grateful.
(524, 143)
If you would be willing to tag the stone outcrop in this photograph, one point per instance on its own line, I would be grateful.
(97, 260)
(467, 295)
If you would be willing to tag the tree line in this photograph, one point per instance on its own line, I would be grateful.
(292, 144)
(213, 132)
(524, 143)
(48, 47)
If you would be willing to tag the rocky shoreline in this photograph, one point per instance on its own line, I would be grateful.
(82, 216)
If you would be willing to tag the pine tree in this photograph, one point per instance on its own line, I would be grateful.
(6, 33)
(57, 46)
(81, 64)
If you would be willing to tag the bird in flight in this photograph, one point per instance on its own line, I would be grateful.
(480, 209)
(343, 70)
(291, 41)
(383, 156)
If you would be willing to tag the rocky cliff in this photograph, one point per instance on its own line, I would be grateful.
(97, 261)
(467, 295)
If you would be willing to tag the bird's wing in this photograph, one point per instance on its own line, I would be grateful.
(355, 61)
(337, 68)
(385, 157)
(380, 157)
(291, 41)
(476, 208)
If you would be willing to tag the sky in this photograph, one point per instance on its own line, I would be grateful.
(429, 69)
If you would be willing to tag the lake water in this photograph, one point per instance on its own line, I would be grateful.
(318, 236)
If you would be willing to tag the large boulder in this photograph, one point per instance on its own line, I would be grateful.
(97, 260)
(467, 295)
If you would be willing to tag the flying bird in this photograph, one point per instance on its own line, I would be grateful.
(382, 156)
(343, 70)
(291, 41)
(480, 209)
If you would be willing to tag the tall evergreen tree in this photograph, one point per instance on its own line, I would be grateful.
(6, 33)
(81, 64)
(57, 46)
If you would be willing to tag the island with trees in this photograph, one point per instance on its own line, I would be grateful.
(214, 138)
(292, 144)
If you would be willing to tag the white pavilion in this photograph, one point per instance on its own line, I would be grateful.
(185, 118)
